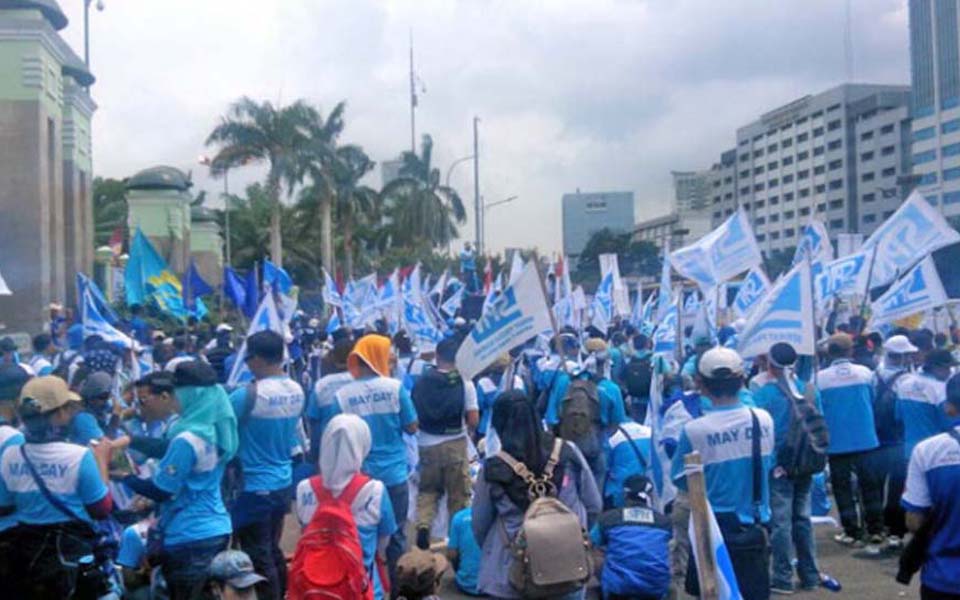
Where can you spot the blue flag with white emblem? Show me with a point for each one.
(917, 291)
(601, 310)
(785, 315)
(84, 284)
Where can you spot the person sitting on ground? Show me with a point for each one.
(419, 573)
(636, 539)
(232, 576)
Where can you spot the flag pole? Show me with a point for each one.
(553, 317)
(813, 319)
(697, 492)
(678, 343)
(866, 292)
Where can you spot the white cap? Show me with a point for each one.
(314, 322)
(222, 327)
(720, 363)
(899, 344)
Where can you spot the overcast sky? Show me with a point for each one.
(594, 94)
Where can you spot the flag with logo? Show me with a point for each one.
(842, 277)
(752, 290)
(148, 279)
(519, 313)
(724, 252)
(452, 304)
(665, 335)
(914, 231)
(266, 318)
(785, 315)
(516, 266)
(416, 320)
(663, 296)
(94, 322)
(609, 263)
(331, 294)
(85, 284)
(814, 244)
(727, 588)
(917, 291)
(602, 308)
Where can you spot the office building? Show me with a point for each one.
(838, 156)
(689, 218)
(587, 213)
(935, 101)
(45, 163)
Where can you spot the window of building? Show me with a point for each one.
(760, 204)
(728, 196)
(866, 156)
(716, 199)
(817, 114)
(803, 155)
(836, 184)
(833, 108)
(836, 223)
(772, 183)
(761, 237)
(746, 206)
(817, 132)
(774, 235)
(596, 205)
(818, 151)
(923, 134)
(866, 135)
(869, 197)
(801, 175)
(788, 233)
(951, 197)
(887, 214)
(758, 170)
(771, 148)
(834, 145)
(758, 187)
(871, 218)
(758, 153)
(804, 192)
(886, 129)
(819, 169)
(788, 197)
(717, 214)
(950, 126)
(728, 212)
(787, 160)
(728, 179)
(888, 150)
(772, 165)
(924, 157)
(786, 143)
(788, 214)
(951, 150)
(804, 211)
(773, 200)
(774, 218)
(801, 120)
(833, 125)
(744, 174)
(744, 157)
(744, 191)
(803, 137)
(835, 204)
(867, 177)
(757, 138)
(759, 221)
(951, 174)
(787, 179)
(927, 179)
(819, 189)
(835, 164)
(888, 172)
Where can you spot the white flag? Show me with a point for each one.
(266, 318)
(753, 289)
(663, 296)
(609, 264)
(843, 277)
(727, 588)
(915, 230)
(814, 244)
(721, 254)
(785, 315)
(4, 289)
(518, 314)
(917, 291)
(516, 266)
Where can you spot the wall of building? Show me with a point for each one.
(586, 213)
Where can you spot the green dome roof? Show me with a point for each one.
(75, 68)
(160, 178)
(50, 9)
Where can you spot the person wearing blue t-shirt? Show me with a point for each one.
(920, 397)
(268, 411)
(930, 499)
(345, 445)
(12, 380)
(191, 516)
(321, 405)
(628, 454)
(56, 489)
(386, 407)
(468, 268)
(44, 351)
(847, 391)
(724, 438)
(463, 551)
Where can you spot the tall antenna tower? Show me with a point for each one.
(413, 101)
(848, 43)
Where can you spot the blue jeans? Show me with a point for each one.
(791, 531)
(186, 566)
(400, 500)
(258, 524)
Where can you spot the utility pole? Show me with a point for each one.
(477, 206)
(413, 101)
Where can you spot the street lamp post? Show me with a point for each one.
(483, 228)
(86, 28)
(453, 165)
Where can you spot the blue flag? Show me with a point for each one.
(84, 284)
(266, 318)
(149, 279)
(252, 288)
(94, 323)
(275, 277)
(233, 288)
(195, 288)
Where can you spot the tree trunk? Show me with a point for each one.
(326, 234)
(348, 247)
(276, 240)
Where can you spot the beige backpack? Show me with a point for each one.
(551, 553)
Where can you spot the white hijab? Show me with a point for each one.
(345, 444)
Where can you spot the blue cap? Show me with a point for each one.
(234, 568)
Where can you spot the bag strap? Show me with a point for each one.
(348, 495)
(554, 459)
(45, 491)
(757, 466)
(518, 467)
(633, 444)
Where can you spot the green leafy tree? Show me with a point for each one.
(259, 132)
(355, 203)
(637, 258)
(418, 206)
(776, 262)
(109, 209)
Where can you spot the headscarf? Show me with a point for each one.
(206, 412)
(374, 350)
(345, 444)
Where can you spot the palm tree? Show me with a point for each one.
(317, 159)
(418, 205)
(254, 132)
(356, 204)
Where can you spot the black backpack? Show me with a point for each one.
(889, 428)
(805, 450)
(439, 398)
(637, 376)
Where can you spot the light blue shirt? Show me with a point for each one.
(69, 472)
(322, 405)
(771, 399)
(133, 545)
(9, 436)
(723, 439)
(386, 407)
(847, 392)
(612, 410)
(461, 539)
(84, 428)
(191, 472)
(920, 399)
(268, 432)
(622, 460)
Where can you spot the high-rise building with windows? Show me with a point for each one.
(585, 213)
(935, 101)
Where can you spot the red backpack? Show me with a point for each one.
(328, 561)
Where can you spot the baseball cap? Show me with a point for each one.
(782, 354)
(940, 358)
(899, 344)
(224, 328)
(97, 384)
(720, 363)
(44, 394)
(234, 568)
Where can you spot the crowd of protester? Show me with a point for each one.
(136, 471)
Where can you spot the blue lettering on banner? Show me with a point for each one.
(498, 315)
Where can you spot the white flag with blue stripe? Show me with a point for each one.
(917, 291)
(665, 336)
(752, 290)
(785, 315)
(266, 318)
(814, 244)
(727, 588)
(601, 310)
(94, 323)
(914, 231)
(331, 295)
(724, 252)
(663, 295)
(842, 277)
